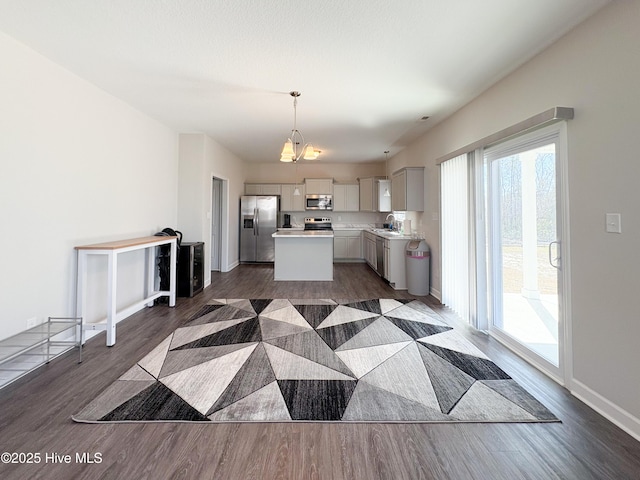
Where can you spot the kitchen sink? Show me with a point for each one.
(384, 231)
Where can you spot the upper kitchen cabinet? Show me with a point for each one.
(383, 202)
(407, 189)
(346, 198)
(319, 186)
(290, 202)
(366, 194)
(262, 189)
(372, 197)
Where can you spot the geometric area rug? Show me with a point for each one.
(283, 360)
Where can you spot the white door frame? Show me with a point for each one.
(564, 372)
(224, 225)
(216, 224)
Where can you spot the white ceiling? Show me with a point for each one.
(368, 70)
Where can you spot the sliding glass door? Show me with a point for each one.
(524, 244)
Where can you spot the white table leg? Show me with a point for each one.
(81, 283)
(112, 283)
(151, 273)
(172, 276)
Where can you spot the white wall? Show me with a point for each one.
(77, 166)
(596, 70)
(201, 159)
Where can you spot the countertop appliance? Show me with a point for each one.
(317, 223)
(318, 202)
(287, 221)
(258, 221)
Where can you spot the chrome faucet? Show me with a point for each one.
(394, 219)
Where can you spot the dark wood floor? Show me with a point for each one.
(35, 417)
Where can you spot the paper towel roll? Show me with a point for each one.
(406, 227)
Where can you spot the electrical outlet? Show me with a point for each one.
(32, 322)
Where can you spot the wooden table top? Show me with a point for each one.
(131, 242)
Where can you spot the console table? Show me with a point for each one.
(111, 250)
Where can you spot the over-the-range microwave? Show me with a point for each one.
(318, 202)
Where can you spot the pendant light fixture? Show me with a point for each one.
(386, 173)
(290, 151)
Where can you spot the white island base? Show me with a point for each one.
(305, 256)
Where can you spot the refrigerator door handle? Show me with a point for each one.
(255, 221)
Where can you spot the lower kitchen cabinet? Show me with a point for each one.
(347, 245)
(394, 263)
(393, 268)
(369, 250)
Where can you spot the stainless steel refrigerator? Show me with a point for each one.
(258, 220)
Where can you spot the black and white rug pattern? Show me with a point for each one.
(278, 360)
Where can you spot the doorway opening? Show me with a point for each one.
(217, 224)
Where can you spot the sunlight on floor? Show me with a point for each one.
(533, 323)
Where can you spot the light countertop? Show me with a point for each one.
(302, 234)
(389, 234)
(380, 232)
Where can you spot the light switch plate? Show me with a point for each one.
(614, 223)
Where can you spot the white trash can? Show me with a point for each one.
(417, 257)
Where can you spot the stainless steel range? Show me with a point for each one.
(317, 223)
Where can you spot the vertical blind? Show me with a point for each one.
(455, 234)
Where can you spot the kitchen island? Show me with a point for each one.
(303, 255)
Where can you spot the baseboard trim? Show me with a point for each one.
(606, 408)
(231, 266)
(436, 293)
